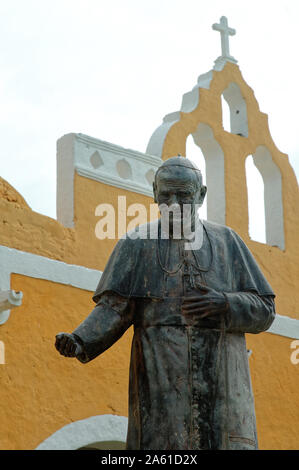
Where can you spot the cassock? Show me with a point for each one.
(189, 385)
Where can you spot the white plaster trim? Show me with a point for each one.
(40, 267)
(204, 80)
(117, 149)
(285, 326)
(190, 102)
(214, 158)
(115, 181)
(221, 61)
(74, 154)
(87, 431)
(271, 175)
(9, 299)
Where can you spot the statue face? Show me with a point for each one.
(177, 186)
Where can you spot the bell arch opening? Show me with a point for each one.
(238, 122)
(211, 156)
(273, 206)
(256, 205)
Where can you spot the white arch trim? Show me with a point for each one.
(214, 157)
(87, 431)
(190, 102)
(272, 196)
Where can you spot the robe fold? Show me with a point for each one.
(189, 384)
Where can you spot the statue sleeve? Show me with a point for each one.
(108, 321)
(249, 312)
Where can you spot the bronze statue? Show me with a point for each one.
(189, 375)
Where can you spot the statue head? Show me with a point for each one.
(178, 183)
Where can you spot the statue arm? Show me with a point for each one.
(108, 321)
(249, 312)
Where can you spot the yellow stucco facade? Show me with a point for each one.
(41, 391)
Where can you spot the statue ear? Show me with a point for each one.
(202, 194)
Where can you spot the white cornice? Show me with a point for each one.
(101, 161)
(114, 181)
(117, 149)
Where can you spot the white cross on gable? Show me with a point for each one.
(225, 31)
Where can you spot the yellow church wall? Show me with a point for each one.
(26, 230)
(275, 382)
(92, 252)
(42, 391)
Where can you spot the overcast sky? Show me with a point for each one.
(113, 68)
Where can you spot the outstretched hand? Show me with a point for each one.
(67, 345)
(205, 303)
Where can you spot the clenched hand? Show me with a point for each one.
(67, 345)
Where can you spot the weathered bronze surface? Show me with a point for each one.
(189, 375)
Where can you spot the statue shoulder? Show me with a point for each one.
(213, 227)
(223, 234)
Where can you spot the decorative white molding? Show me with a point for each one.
(9, 299)
(96, 429)
(100, 161)
(220, 62)
(40, 267)
(190, 102)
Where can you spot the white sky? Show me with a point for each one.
(113, 68)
